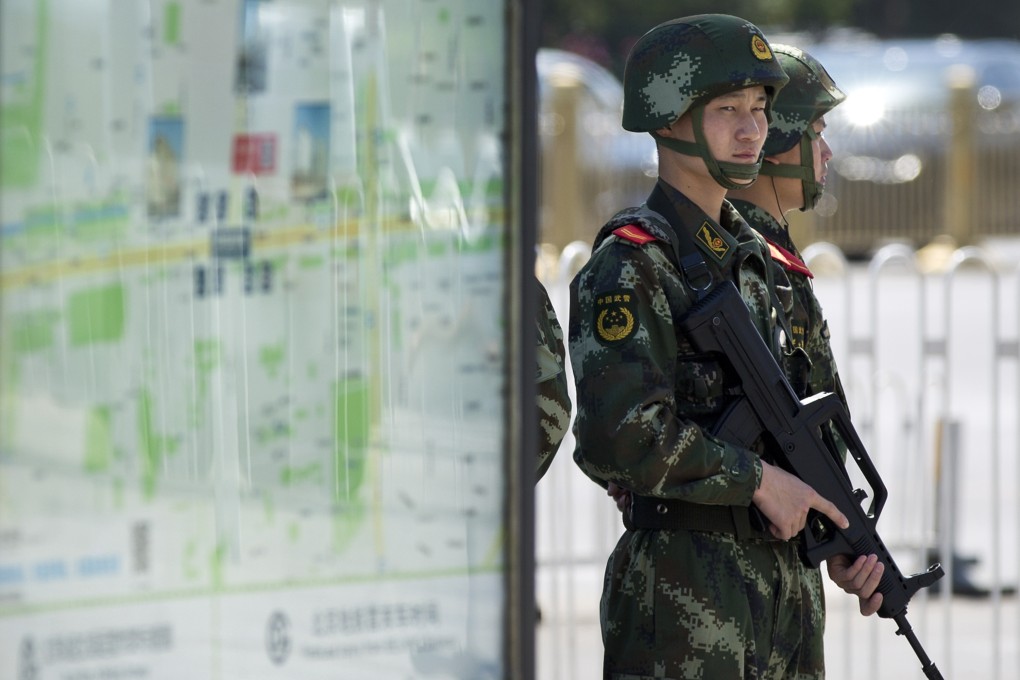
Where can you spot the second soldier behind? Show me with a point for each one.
(792, 177)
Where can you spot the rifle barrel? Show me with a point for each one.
(929, 668)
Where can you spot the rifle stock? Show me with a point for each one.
(798, 438)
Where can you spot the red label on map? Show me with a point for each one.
(255, 153)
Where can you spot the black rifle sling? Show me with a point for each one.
(686, 255)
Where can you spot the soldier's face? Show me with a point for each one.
(734, 125)
(821, 151)
(821, 154)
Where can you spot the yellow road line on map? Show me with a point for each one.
(266, 239)
(48, 272)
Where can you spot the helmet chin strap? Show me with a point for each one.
(779, 203)
(805, 172)
(723, 172)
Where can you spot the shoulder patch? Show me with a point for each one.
(789, 261)
(615, 317)
(634, 234)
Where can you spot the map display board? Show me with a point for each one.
(252, 319)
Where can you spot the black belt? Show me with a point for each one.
(742, 522)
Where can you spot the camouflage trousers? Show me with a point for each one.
(688, 605)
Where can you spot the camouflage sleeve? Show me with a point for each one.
(624, 349)
(551, 378)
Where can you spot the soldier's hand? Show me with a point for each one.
(620, 495)
(858, 577)
(786, 500)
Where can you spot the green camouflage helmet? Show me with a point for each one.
(691, 60)
(808, 96)
(680, 65)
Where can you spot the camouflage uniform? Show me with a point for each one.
(807, 361)
(682, 603)
(552, 387)
(808, 96)
(808, 357)
(814, 369)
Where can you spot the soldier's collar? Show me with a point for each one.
(713, 239)
(765, 224)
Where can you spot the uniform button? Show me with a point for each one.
(661, 509)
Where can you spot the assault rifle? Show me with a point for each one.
(799, 439)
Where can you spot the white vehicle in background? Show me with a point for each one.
(893, 139)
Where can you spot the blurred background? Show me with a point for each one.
(914, 247)
(926, 145)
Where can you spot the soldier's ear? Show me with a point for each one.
(664, 132)
(683, 122)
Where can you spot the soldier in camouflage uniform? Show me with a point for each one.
(552, 386)
(693, 589)
(794, 166)
(796, 155)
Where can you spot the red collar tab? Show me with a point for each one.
(789, 261)
(634, 234)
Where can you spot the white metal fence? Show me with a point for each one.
(927, 345)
